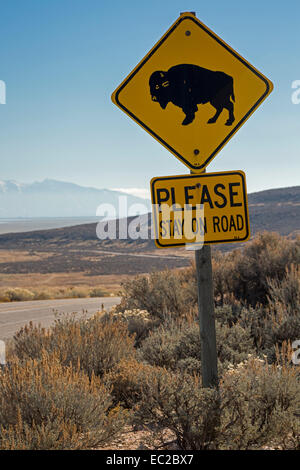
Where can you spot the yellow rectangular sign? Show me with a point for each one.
(203, 209)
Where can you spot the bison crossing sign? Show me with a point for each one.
(207, 208)
(192, 92)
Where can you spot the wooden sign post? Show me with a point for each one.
(206, 316)
(206, 310)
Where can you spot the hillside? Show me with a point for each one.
(78, 250)
(275, 210)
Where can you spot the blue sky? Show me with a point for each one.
(61, 60)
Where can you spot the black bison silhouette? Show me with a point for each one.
(187, 85)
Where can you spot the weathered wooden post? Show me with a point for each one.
(206, 317)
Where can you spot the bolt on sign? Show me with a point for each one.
(192, 92)
(207, 208)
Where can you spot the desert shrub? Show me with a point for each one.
(191, 365)
(176, 344)
(279, 329)
(97, 292)
(188, 282)
(126, 380)
(98, 345)
(267, 257)
(165, 346)
(257, 405)
(230, 313)
(4, 297)
(241, 278)
(17, 294)
(54, 434)
(77, 292)
(286, 292)
(139, 322)
(223, 269)
(242, 275)
(20, 294)
(160, 293)
(245, 273)
(233, 343)
(260, 406)
(279, 320)
(45, 405)
(177, 402)
(43, 295)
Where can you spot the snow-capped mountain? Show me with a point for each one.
(52, 198)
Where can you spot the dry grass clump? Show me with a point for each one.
(45, 405)
(257, 405)
(178, 403)
(176, 345)
(286, 292)
(138, 322)
(15, 295)
(161, 294)
(242, 275)
(260, 406)
(98, 345)
(245, 274)
(19, 294)
(126, 381)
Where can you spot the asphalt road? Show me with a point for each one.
(14, 315)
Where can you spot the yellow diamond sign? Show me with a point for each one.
(192, 92)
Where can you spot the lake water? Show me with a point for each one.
(43, 223)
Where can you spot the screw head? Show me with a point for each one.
(188, 33)
(196, 151)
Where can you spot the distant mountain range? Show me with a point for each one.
(52, 198)
(273, 209)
